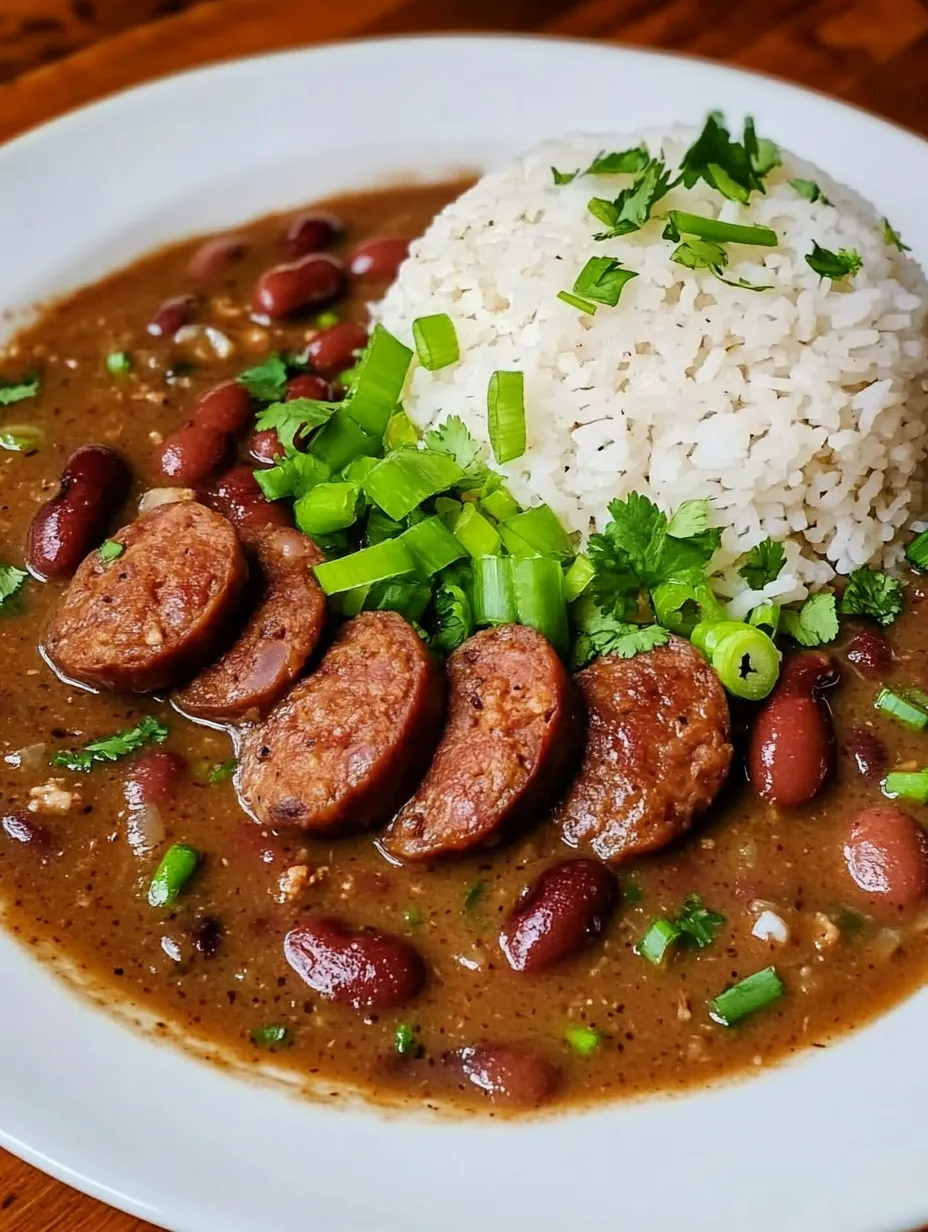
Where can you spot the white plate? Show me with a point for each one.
(832, 1142)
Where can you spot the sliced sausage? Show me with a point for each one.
(792, 744)
(94, 483)
(508, 745)
(886, 852)
(506, 1074)
(363, 968)
(349, 743)
(562, 909)
(277, 641)
(157, 612)
(657, 751)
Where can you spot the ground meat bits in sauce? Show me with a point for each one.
(442, 1014)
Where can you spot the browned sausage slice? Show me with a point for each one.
(349, 742)
(277, 641)
(657, 751)
(157, 612)
(512, 730)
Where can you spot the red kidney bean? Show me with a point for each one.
(870, 653)
(213, 258)
(307, 283)
(191, 454)
(791, 747)
(153, 777)
(378, 259)
(236, 496)
(225, 407)
(886, 852)
(334, 349)
(306, 385)
(20, 827)
(869, 753)
(265, 446)
(94, 483)
(362, 968)
(564, 907)
(311, 233)
(506, 1074)
(207, 935)
(171, 315)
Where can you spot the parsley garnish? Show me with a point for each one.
(872, 594)
(454, 439)
(810, 190)
(697, 923)
(110, 550)
(267, 381)
(735, 168)
(763, 563)
(631, 209)
(223, 771)
(835, 265)
(289, 418)
(111, 748)
(16, 391)
(11, 582)
(816, 622)
(891, 236)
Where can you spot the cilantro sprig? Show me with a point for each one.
(815, 623)
(763, 564)
(631, 209)
(735, 169)
(874, 595)
(834, 265)
(619, 162)
(267, 381)
(111, 748)
(12, 581)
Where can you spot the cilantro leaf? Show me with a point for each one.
(16, 391)
(697, 922)
(110, 550)
(111, 748)
(810, 190)
(601, 280)
(564, 177)
(621, 162)
(267, 381)
(453, 618)
(599, 632)
(631, 209)
(734, 168)
(872, 594)
(223, 771)
(692, 518)
(297, 415)
(891, 236)
(11, 582)
(763, 153)
(705, 254)
(454, 438)
(835, 265)
(763, 564)
(816, 622)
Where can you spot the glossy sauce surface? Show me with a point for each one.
(215, 963)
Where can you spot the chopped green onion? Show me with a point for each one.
(659, 936)
(359, 469)
(766, 616)
(21, 438)
(412, 916)
(538, 588)
(448, 510)
(118, 363)
(179, 864)
(224, 771)
(583, 1040)
(537, 531)
(16, 391)
(578, 577)
(917, 551)
(400, 431)
(500, 505)
(110, 550)
(574, 301)
(380, 527)
(478, 536)
(404, 595)
(327, 507)
(379, 383)
(436, 341)
(432, 545)
(748, 663)
(404, 1040)
(506, 415)
(753, 993)
(722, 232)
(676, 607)
(378, 563)
(474, 895)
(291, 476)
(325, 320)
(270, 1036)
(350, 602)
(407, 477)
(342, 440)
(901, 709)
(907, 785)
(494, 598)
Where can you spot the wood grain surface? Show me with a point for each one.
(58, 54)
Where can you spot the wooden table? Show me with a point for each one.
(57, 54)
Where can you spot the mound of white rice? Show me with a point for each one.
(797, 411)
